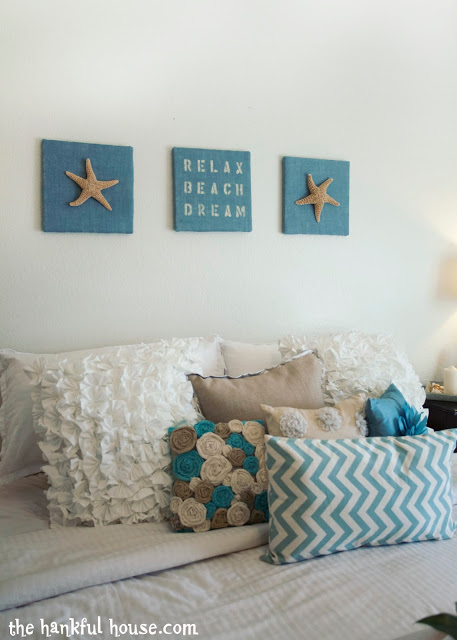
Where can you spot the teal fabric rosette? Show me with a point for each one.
(210, 509)
(249, 449)
(251, 464)
(412, 423)
(187, 465)
(204, 426)
(261, 502)
(236, 440)
(222, 497)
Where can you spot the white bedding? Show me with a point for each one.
(371, 593)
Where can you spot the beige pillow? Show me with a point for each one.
(345, 420)
(296, 383)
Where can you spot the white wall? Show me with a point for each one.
(369, 82)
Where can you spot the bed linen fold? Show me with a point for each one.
(42, 564)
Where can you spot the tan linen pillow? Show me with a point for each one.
(345, 420)
(296, 383)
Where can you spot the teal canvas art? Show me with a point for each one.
(315, 196)
(87, 188)
(212, 190)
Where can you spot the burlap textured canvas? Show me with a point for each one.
(87, 188)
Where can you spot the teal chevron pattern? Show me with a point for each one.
(334, 495)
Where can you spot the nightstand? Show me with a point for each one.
(442, 414)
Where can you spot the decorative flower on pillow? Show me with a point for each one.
(412, 423)
(251, 464)
(220, 475)
(223, 496)
(329, 419)
(204, 426)
(293, 424)
(236, 440)
(187, 465)
(361, 423)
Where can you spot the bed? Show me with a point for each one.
(146, 580)
(147, 574)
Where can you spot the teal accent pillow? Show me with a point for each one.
(391, 415)
(334, 495)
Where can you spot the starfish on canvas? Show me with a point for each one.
(318, 196)
(91, 187)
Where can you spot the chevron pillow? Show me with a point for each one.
(335, 495)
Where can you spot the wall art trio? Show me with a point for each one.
(88, 188)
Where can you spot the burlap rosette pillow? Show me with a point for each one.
(220, 476)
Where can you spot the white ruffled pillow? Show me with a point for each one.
(20, 454)
(101, 424)
(357, 362)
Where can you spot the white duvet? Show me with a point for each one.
(149, 575)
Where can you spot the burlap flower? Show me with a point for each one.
(262, 477)
(261, 502)
(215, 469)
(205, 526)
(237, 457)
(254, 432)
(249, 449)
(236, 440)
(260, 450)
(192, 513)
(183, 439)
(204, 426)
(257, 516)
(226, 449)
(238, 514)
(227, 481)
(175, 503)
(182, 489)
(210, 509)
(256, 489)
(187, 465)
(251, 464)
(222, 496)
(223, 430)
(247, 497)
(204, 491)
(219, 520)
(176, 523)
(193, 484)
(260, 454)
(241, 479)
(209, 445)
(235, 426)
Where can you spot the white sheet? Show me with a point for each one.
(374, 593)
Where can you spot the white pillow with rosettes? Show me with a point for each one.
(101, 424)
(356, 362)
(344, 420)
(20, 455)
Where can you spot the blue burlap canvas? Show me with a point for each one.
(212, 190)
(109, 163)
(300, 218)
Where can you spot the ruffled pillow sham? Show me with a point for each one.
(345, 420)
(102, 424)
(20, 454)
(356, 362)
(220, 477)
